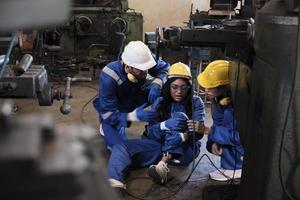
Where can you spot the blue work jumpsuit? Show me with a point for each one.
(118, 96)
(144, 152)
(224, 133)
(171, 140)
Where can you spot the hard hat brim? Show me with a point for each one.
(145, 66)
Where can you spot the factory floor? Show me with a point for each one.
(138, 184)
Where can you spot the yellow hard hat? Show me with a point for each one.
(180, 70)
(215, 74)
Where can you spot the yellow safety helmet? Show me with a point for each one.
(180, 70)
(215, 74)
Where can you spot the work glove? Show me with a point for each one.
(154, 93)
(142, 113)
(177, 122)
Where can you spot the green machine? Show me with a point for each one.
(94, 35)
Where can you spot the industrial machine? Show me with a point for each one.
(94, 35)
(41, 161)
(25, 80)
(267, 104)
(222, 31)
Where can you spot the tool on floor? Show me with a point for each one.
(66, 107)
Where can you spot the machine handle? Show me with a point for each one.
(66, 107)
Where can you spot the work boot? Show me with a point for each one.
(159, 173)
(118, 186)
(225, 174)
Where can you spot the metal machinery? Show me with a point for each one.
(267, 104)
(223, 31)
(94, 35)
(41, 161)
(25, 80)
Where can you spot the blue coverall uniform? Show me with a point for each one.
(144, 152)
(130, 154)
(171, 140)
(118, 96)
(224, 133)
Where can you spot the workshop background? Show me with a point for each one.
(52, 51)
(166, 13)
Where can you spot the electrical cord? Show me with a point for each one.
(84, 107)
(174, 192)
(192, 94)
(8, 52)
(87, 103)
(297, 62)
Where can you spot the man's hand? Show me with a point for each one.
(146, 115)
(143, 113)
(216, 149)
(198, 127)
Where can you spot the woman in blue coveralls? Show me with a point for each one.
(170, 135)
(177, 109)
(223, 139)
(123, 91)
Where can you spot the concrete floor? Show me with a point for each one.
(138, 183)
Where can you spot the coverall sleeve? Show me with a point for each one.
(160, 70)
(154, 132)
(225, 134)
(199, 111)
(108, 102)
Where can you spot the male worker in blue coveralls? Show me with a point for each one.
(123, 91)
(223, 138)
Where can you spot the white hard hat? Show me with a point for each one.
(136, 54)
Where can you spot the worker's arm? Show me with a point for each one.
(225, 134)
(108, 109)
(159, 72)
(176, 123)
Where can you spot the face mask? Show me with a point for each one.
(131, 78)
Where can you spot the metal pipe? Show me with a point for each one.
(2, 58)
(66, 107)
(12, 42)
(23, 65)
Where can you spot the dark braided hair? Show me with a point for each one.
(165, 106)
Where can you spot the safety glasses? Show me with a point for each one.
(177, 88)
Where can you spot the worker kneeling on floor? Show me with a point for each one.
(223, 138)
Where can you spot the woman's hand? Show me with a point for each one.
(198, 127)
(216, 149)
